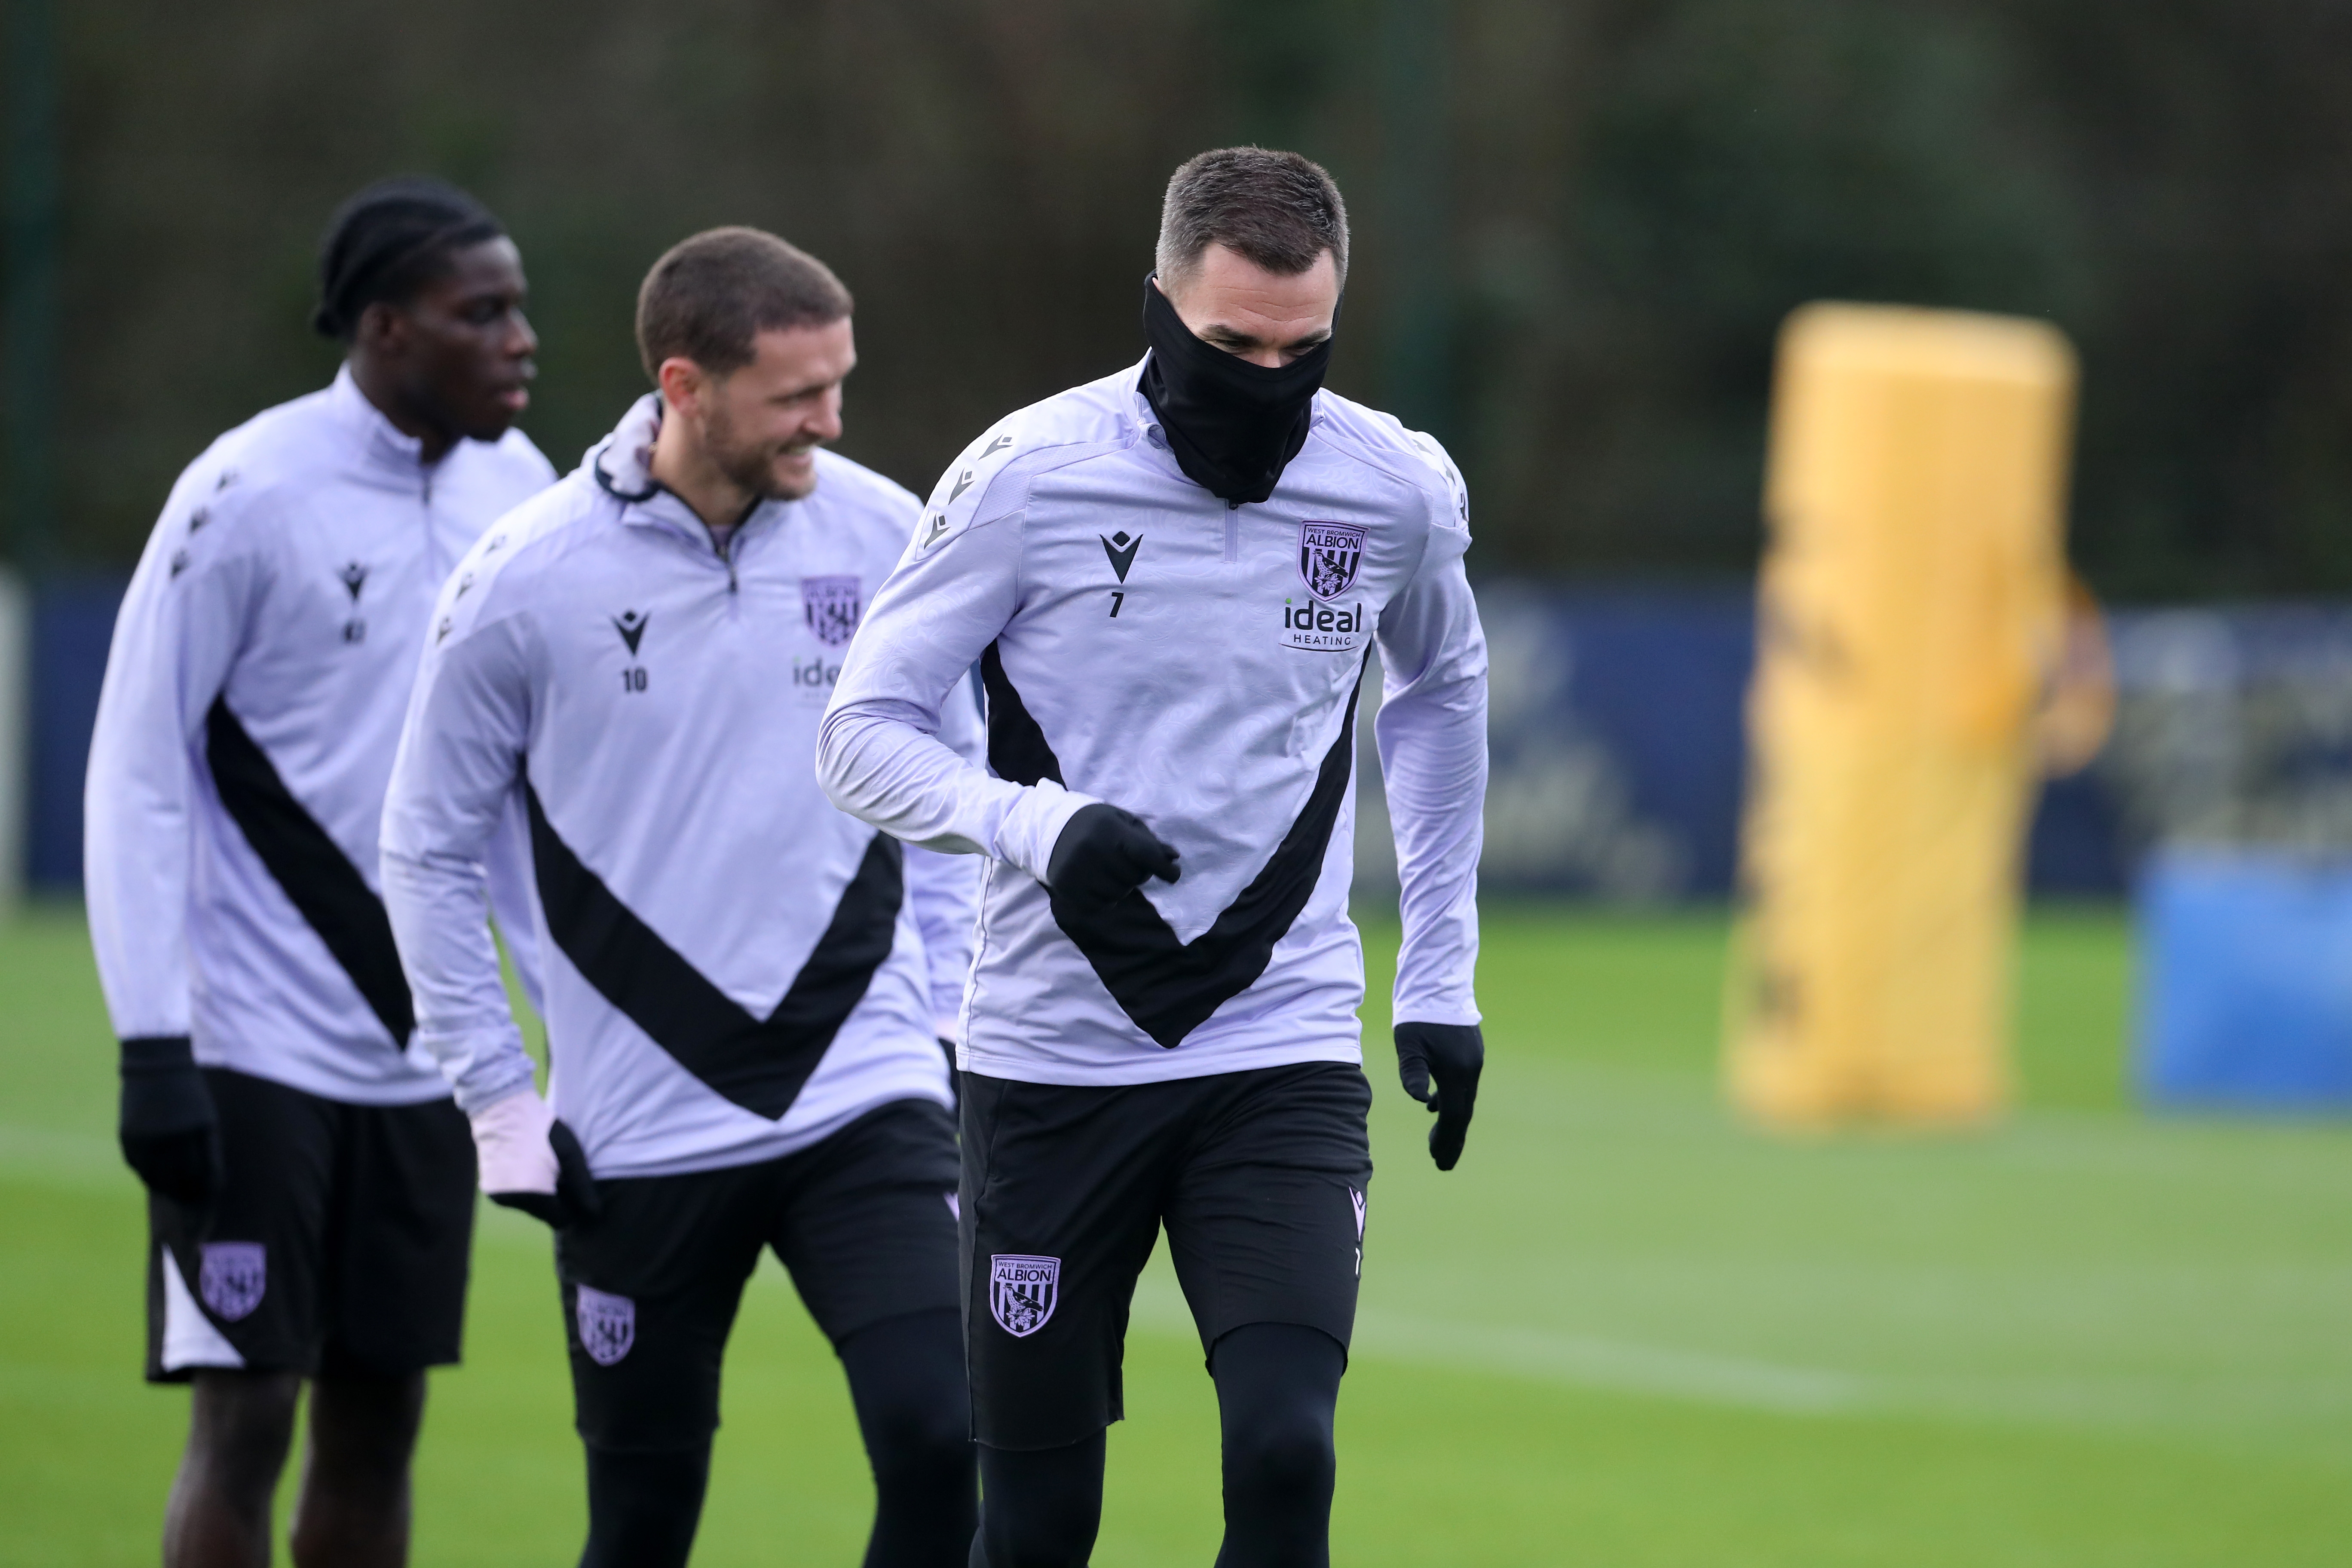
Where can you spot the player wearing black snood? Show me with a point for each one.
(1171, 580)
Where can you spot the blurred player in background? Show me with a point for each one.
(743, 983)
(311, 1185)
(1172, 579)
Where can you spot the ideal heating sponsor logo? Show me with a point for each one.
(812, 679)
(1323, 629)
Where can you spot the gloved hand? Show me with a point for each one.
(1103, 852)
(531, 1162)
(170, 1134)
(1453, 1055)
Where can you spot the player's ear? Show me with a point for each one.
(383, 329)
(682, 382)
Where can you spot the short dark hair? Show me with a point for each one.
(710, 297)
(1278, 209)
(390, 240)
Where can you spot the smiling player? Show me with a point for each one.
(744, 985)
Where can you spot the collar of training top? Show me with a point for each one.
(381, 440)
(623, 465)
(622, 461)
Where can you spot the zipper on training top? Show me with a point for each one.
(726, 551)
(432, 570)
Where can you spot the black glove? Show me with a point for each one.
(1103, 852)
(170, 1135)
(1453, 1055)
(575, 1200)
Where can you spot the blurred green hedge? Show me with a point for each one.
(1625, 197)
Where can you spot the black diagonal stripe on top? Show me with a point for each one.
(1170, 987)
(758, 1063)
(1016, 746)
(325, 887)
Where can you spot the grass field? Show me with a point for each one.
(1626, 1332)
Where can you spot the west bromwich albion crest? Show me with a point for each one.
(1328, 556)
(830, 606)
(608, 1325)
(233, 1278)
(1021, 1291)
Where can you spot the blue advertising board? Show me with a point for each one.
(1617, 736)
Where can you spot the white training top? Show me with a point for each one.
(1145, 644)
(733, 968)
(261, 662)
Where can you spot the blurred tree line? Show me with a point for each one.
(1579, 224)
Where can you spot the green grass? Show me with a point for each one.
(1628, 1332)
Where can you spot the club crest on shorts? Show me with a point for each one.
(1021, 1291)
(608, 1325)
(233, 1278)
(830, 606)
(1328, 556)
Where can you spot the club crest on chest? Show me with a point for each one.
(608, 1324)
(830, 605)
(1021, 1291)
(233, 1278)
(1329, 555)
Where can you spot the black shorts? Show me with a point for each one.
(1258, 1176)
(864, 1222)
(338, 1244)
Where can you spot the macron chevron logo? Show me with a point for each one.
(632, 627)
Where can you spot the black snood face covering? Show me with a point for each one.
(1233, 425)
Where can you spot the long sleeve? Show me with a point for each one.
(1431, 731)
(944, 890)
(176, 638)
(882, 756)
(455, 785)
(514, 900)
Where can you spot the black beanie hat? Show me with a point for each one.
(383, 242)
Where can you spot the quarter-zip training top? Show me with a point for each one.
(734, 969)
(1200, 664)
(261, 662)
